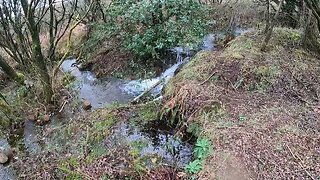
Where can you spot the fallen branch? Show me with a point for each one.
(207, 78)
(136, 99)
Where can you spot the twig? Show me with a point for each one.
(55, 71)
(64, 103)
(207, 78)
(299, 162)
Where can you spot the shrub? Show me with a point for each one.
(149, 28)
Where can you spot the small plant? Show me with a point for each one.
(200, 152)
(194, 166)
(242, 118)
(202, 148)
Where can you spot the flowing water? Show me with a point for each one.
(158, 140)
(136, 87)
(100, 92)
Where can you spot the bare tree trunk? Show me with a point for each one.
(269, 33)
(315, 8)
(51, 53)
(37, 53)
(311, 35)
(267, 17)
(303, 15)
(8, 69)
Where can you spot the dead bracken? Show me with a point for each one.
(258, 109)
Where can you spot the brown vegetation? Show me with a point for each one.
(260, 110)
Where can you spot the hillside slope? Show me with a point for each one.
(261, 111)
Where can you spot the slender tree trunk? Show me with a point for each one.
(267, 17)
(269, 33)
(303, 15)
(51, 53)
(8, 69)
(311, 35)
(37, 53)
(314, 6)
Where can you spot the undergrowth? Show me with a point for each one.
(250, 103)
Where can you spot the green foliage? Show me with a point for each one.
(202, 148)
(22, 92)
(100, 128)
(194, 166)
(139, 145)
(200, 152)
(148, 28)
(242, 118)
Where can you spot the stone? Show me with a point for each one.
(8, 153)
(46, 118)
(31, 117)
(86, 105)
(3, 158)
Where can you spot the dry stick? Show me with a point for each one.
(136, 99)
(69, 41)
(300, 163)
(207, 78)
(64, 103)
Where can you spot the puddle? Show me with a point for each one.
(153, 141)
(31, 142)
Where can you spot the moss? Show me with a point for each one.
(66, 170)
(109, 120)
(20, 78)
(197, 69)
(100, 128)
(146, 113)
(139, 145)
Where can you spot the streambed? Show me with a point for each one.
(153, 140)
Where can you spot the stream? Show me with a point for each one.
(159, 139)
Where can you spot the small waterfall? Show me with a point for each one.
(136, 87)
